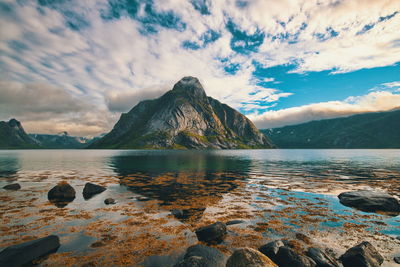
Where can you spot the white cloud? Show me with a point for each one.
(372, 102)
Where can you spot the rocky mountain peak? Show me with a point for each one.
(14, 123)
(191, 86)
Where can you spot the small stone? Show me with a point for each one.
(288, 257)
(61, 194)
(15, 186)
(362, 255)
(23, 254)
(249, 257)
(109, 201)
(321, 258)
(234, 222)
(143, 198)
(271, 249)
(397, 259)
(213, 233)
(92, 189)
(177, 213)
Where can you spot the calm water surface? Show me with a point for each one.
(276, 192)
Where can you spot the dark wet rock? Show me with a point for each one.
(213, 233)
(288, 257)
(177, 213)
(92, 189)
(25, 253)
(234, 222)
(15, 186)
(249, 257)
(109, 201)
(200, 255)
(321, 258)
(61, 194)
(362, 255)
(370, 201)
(397, 259)
(271, 249)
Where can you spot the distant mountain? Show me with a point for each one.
(62, 141)
(184, 117)
(13, 136)
(368, 130)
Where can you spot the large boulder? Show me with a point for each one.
(321, 258)
(24, 253)
(245, 257)
(61, 194)
(202, 256)
(370, 201)
(213, 233)
(362, 255)
(15, 186)
(271, 249)
(92, 189)
(288, 257)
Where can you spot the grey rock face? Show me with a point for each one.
(288, 257)
(92, 189)
(15, 186)
(321, 258)
(362, 255)
(25, 253)
(184, 117)
(213, 233)
(249, 257)
(370, 201)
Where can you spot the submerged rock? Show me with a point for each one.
(61, 194)
(362, 255)
(370, 201)
(177, 213)
(234, 222)
(25, 253)
(109, 201)
(249, 257)
(15, 186)
(213, 233)
(202, 256)
(321, 258)
(271, 249)
(92, 189)
(397, 259)
(288, 257)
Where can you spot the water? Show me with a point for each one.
(278, 193)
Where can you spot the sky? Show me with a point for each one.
(75, 65)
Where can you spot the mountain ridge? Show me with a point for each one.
(13, 136)
(183, 118)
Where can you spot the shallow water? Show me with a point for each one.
(278, 193)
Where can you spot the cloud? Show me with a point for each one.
(372, 102)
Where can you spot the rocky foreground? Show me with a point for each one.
(300, 251)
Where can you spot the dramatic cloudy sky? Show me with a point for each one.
(75, 65)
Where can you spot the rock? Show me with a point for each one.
(370, 201)
(109, 201)
(397, 259)
(362, 255)
(200, 255)
(177, 213)
(15, 186)
(234, 222)
(25, 253)
(271, 249)
(159, 261)
(321, 258)
(288, 257)
(213, 233)
(92, 189)
(142, 198)
(249, 257)
(61, 194)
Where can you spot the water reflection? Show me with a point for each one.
(9, 166)
(185, 181)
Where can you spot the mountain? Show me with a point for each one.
(368, 130)
(61, 141)
(183, 118)
(13, 135)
